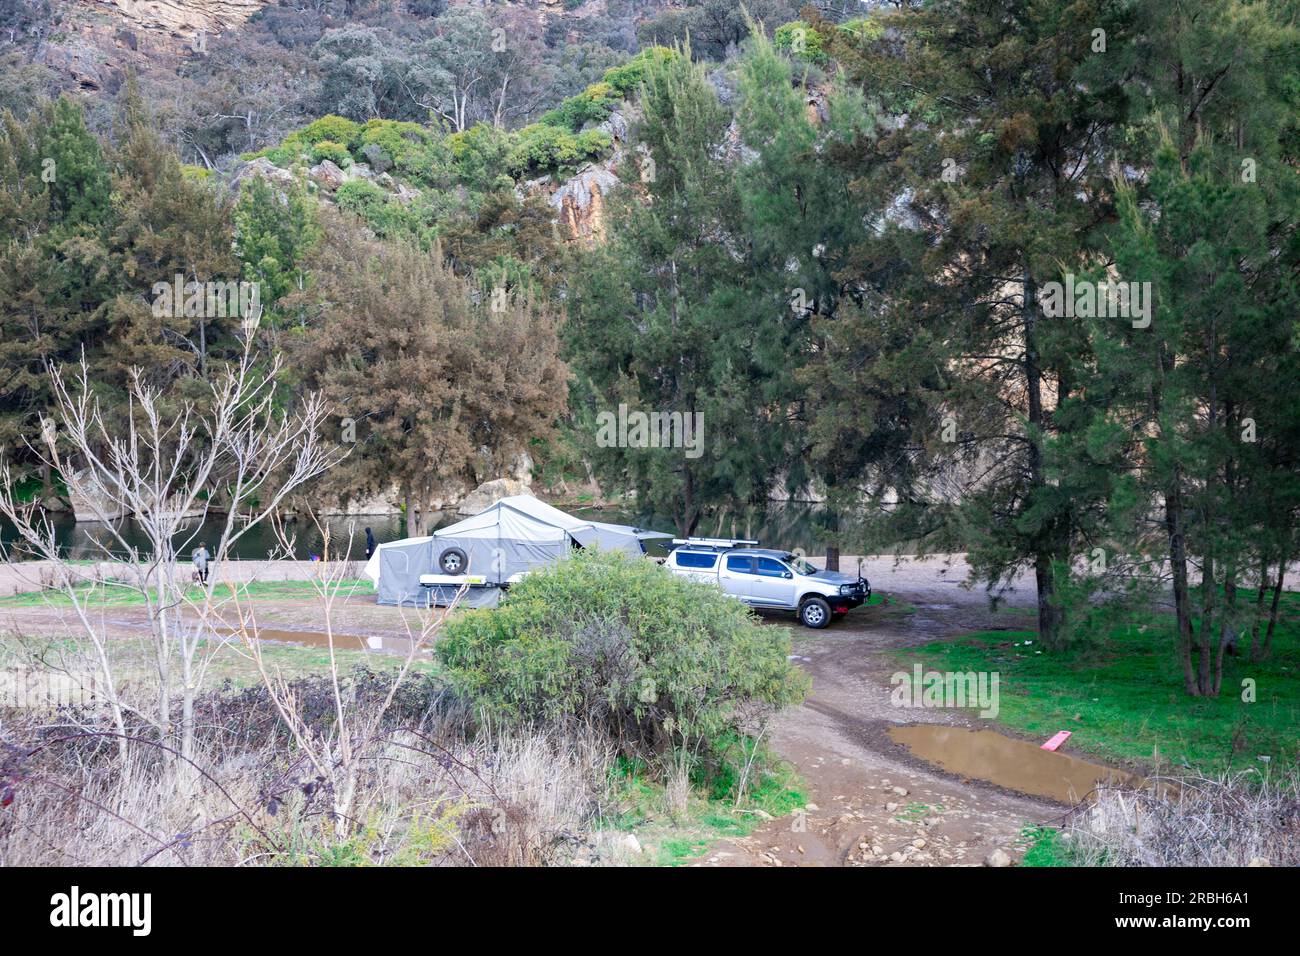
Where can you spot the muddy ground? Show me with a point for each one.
(870, 802)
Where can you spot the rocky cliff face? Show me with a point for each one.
(185, 19)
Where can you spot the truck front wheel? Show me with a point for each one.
(814, 613)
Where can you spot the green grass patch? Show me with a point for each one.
(678, 838)
(1046, 848)
(1123, 698)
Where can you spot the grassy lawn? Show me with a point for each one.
(1124, 701)
(118, 595)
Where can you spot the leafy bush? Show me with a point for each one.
(383, 212)
(592, 105)
(336, 153)
(478, 155)
(416, 152)
(540, 147)
(863, 28)
(802, 42)
(619, 644)
(336, 129)
(626, 79)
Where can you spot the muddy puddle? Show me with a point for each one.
(344, 642)
(1014, 764)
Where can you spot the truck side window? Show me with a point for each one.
(696, 559)
(771, 568)
(740, 563)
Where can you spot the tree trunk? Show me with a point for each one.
(1182, 596)
(1050, 617)
(409, 500)
(1266, 649)
(1258, 618)
(1209, 610)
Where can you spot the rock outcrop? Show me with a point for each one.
(185, 18)
(579, 203)
(489, 493)
(90, 501)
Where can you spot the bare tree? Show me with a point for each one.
(337, 754)
(165, 469)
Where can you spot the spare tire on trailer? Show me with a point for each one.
(453, 561)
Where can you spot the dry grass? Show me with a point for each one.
(1238, 820)
(429, 792)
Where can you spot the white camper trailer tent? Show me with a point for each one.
(490, 551)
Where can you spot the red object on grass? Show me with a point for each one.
(1059, 738)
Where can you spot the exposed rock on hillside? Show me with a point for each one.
(580, 202)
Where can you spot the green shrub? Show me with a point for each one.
(618, 643)
(478, 155)
(592, 105)
(540, 148)
(336, 129)
(336, 153)
(864, 28)
(802, 42)
(417, 153)
(626, 79)
(383, 212)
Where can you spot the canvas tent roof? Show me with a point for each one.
(511, 537)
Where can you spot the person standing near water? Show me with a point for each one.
(201, 559)
(370, 544)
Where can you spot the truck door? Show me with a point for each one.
(737, 576)
(774, 584)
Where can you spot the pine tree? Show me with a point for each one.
(54, 196)
(666, 319)
(1001, 118)
(1206, 385)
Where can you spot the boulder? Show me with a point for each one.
(997, 858)
(89, 500)
(615, 126)
(523, 469)
(380, 503)
(262, 168)
(489, 493)
(377, 157)
(327, 175)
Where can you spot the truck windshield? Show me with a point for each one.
(799, 564)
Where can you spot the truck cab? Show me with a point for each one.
(768, 578)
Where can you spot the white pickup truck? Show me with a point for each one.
(762, 577)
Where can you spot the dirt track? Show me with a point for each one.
(865, 791)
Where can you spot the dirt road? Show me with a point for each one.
(870, 802)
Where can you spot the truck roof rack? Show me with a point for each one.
(717, 542)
